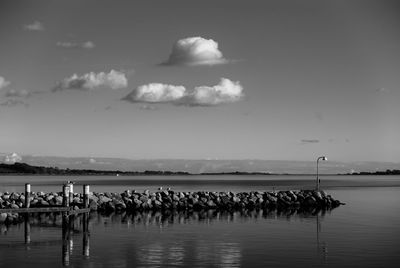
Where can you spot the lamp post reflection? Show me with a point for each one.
(322, 247)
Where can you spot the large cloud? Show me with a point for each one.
(35, 26)
(86, 45)
(195, 51)
(156, 92)
(113, 79)
(226, 91)
(3, 82)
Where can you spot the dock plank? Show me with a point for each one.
(44, 209)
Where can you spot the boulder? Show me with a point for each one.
(93, 205)
(58, 200)
(3, 217)
(104, 199)
(14, 206)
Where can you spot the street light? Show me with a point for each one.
(323, 158)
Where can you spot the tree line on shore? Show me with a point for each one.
(23, 168)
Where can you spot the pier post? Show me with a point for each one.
(71, 191)
(65, 195)
(27, 195)
(86, 195)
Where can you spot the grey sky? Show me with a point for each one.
(310, 71)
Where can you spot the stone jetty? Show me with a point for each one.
(168, 200)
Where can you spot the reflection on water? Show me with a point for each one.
(76, 234)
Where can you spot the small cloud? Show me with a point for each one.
(309, 141)
(226, 91)
(3, 82)
(35, 26)
(12, 158)
(85, 45)
(156, 93)
(195, 51)
(108, 108)
(13, 103)
(18, 93)
(113, 79)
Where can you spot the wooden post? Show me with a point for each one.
(86, 196)
(71, 191)
(65, 195)
(27, 195)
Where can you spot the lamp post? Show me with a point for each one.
(323, 158)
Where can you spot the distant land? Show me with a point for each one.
(24, 169)
(197, 166)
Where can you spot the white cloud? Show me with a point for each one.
(226, 91)
(3, 82)
(195, 51)
(156, 92)
(113, 79)
(86, 45)
(12, 158)
(18, 93)
(35, 26)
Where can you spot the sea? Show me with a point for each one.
(365, 232)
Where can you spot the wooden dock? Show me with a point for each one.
(67, 197)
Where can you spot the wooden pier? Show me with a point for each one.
(67, 191)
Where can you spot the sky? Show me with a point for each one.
(272, 80)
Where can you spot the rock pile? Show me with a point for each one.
(171, 200)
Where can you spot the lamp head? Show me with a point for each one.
(324, 158)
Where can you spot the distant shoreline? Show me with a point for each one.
(23, 169)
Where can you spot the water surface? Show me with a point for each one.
(363, 233)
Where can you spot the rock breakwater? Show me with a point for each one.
(132, 201)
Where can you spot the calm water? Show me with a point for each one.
(363, 233)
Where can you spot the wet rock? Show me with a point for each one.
(104, 199)
(14, 206)
(93, 205)
(58, 200)
(44, 203)
(3, 217)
